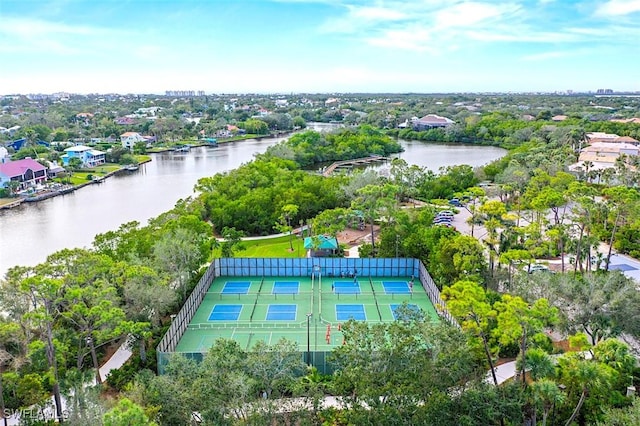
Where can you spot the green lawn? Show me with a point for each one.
(272, 247)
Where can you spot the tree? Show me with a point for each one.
(546, 394)
(516, 320)
(289, 212)
(126, 413)
(372, 200)
(622, 416)
(232, 242)
(621, 201)
(275, 367)
(582, 376)
(467, 301)
(460, 257)
(601, 305)
(331, 221)
(91, 311)
(75, 163)
(43, 291)
(180, 252)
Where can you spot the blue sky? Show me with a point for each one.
(284, 46)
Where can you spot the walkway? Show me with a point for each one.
(352, 163)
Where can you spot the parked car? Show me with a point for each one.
(447, 224)
(536, 267)
(442, 219)
(455, 202)
(445, 213)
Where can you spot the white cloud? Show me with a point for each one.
(545, 56)
(417, 39)
(377, 14)
(471, 13)
(618, 7)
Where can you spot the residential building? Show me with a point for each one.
(431, 121)
(129, 139)
(603, 155)
(90, 157)
(597, 137)
(27, 172)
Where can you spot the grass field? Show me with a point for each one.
(272, 247)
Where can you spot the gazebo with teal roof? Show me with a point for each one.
(321, 245)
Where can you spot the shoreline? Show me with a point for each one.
(66, 190)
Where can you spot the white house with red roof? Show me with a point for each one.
(27, 173)
(129, 139)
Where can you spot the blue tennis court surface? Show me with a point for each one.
(236, 287)
(285, 287)
(621, 267)
(410, 307)
(225, 313)
(282, 312)
(346, 287)
(396, 287)
(347, 312)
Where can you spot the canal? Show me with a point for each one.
(29, 233)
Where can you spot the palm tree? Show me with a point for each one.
(588, 165)
(587, 375)
(546, 393)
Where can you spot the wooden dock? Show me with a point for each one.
(354, 162)
(11, 204)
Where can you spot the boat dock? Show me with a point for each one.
(348, 164)
(11, 204)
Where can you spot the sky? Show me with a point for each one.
(318, 46)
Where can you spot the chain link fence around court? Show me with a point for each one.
(317, 268)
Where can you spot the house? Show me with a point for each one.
(321, 246)
(597, 137)
(431, 121)
(129, 139)
(27, 172)
(125, 121)
(603, 155)
(635, 120)
(559, 118)
(90, 157)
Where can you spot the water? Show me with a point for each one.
(29, 233)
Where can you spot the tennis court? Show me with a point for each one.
(267, 309)
(346, 287)
(347, 312)
(241, 287)
(282, 312)
(286, 287)
(225, 313)
(396, 287)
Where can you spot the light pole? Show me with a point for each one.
(308, 339)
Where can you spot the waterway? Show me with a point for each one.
(32, 231)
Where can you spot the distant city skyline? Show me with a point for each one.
(318, 46)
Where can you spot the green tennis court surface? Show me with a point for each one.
(253, 309)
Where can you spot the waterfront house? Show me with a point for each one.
(431, 121)
(129, 139)
(27, 172)
(90, 157)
